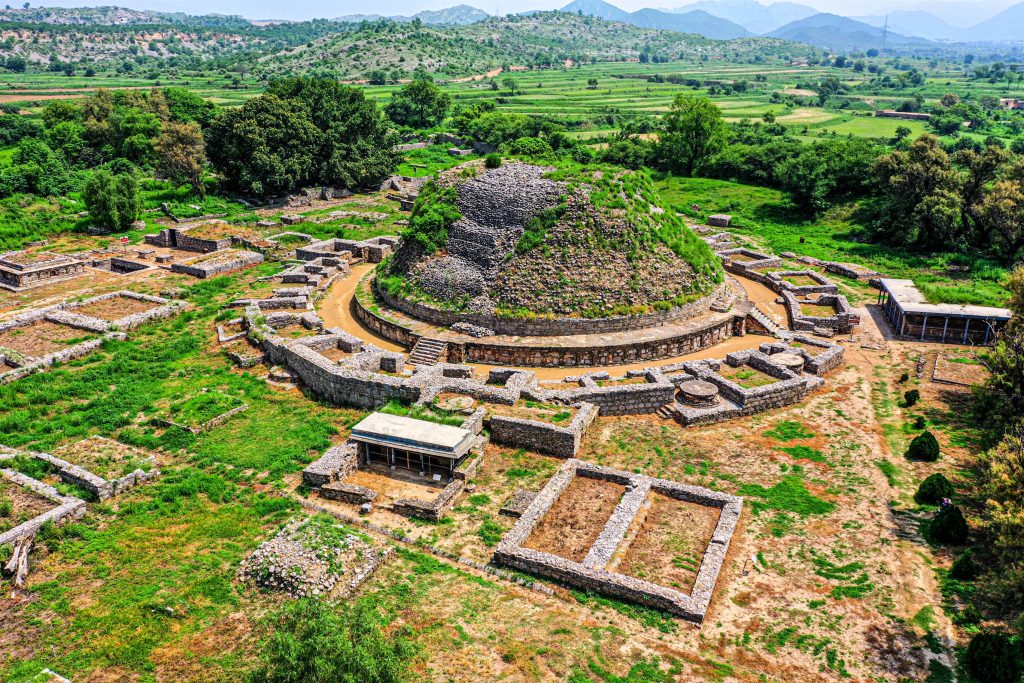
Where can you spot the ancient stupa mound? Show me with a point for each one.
(523, 240)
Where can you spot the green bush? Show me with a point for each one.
(6, 507)
(530, 147)
(924, 447)
(993, 658)
(949, 527)
(933, 489)
(113, 201)
(965, 568)
(919, 422)
(911, 397)
(492, 160)
(904, 378)
(316, 642)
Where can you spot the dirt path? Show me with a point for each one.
(336, 310)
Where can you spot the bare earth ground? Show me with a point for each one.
(24, 503)
(115, 308)
(576, 519)
(41, 337)
(669, 540)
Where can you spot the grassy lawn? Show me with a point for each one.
(768, 219)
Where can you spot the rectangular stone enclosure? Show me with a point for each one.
(597, 568)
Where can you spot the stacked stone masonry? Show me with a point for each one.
(591, 574)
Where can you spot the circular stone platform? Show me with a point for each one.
(698, 393)
(790, 361)
(457, 404)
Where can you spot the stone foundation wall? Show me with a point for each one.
(65, 507)
(432, 510)
(335, 464)
(828, 357)
(591, 573)
(352, 494)
(547, 327)
(243, 259)
(543, 437)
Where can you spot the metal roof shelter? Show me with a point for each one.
(416, 445)
(912, 316)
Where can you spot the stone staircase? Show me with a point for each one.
(667, 412)
(765, 320)
(427, 352)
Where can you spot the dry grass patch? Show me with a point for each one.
(669, 538)
(114, 308)
(42, 337)
(576, 519)
(19, 504)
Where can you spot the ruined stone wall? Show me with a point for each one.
(432, 510)
(547, 327)
(543, 437)
(343, 386)
(243, 259)
(335, 464)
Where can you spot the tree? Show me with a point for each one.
(949, 527)
(692, 132)
(1001, 215)
(303, 131)
(113, 200)
(182, 154)
(902, 133)
(314, 642)
(920, 196)
(420, 104)
(1000, 401)
(592, 84)
(511, 84)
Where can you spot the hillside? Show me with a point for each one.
(698, 21)
(834, 32)
(541, 39)
(752, 15)
(1005, 26)
(916, 23)
(114, 16)
(459, 15)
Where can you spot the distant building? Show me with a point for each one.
(1011, 103)
(908, 115)
(912, 316)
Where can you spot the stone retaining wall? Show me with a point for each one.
(352, 494)
(242, 259)
(335, 464)
(547, 327)
(543, 437)
(432, 510)
(827, 359)
(842, 322)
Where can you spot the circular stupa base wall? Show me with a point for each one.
(545, 326)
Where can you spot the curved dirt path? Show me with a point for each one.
(336, 310)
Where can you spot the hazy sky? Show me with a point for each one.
(964, 12)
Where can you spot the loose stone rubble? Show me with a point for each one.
(312, 557)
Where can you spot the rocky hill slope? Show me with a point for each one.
(524, 240)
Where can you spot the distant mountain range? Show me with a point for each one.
(727, 19)
(752, 15)
(460, 15)
(697, 21)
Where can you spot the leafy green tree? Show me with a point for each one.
(933, 489)
(356, 144)
(182, 154)
(184, 106)
(420, 104)
(692, 132)
(267, 146)
(113, 200)
(315, 642)
(949, 527)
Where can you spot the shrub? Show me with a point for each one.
(924, 447)
(911, 397)
(492, 160)
(965, 568)
(993, 658)
(919, 422)
(933, 489)
(949, 527)
(904, 378)
(314, 641)
(530, 147)
(6, 507)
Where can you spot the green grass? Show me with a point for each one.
(648, 616)
(788, 495)
(803, 453)
(788, 430)
(767, 217)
